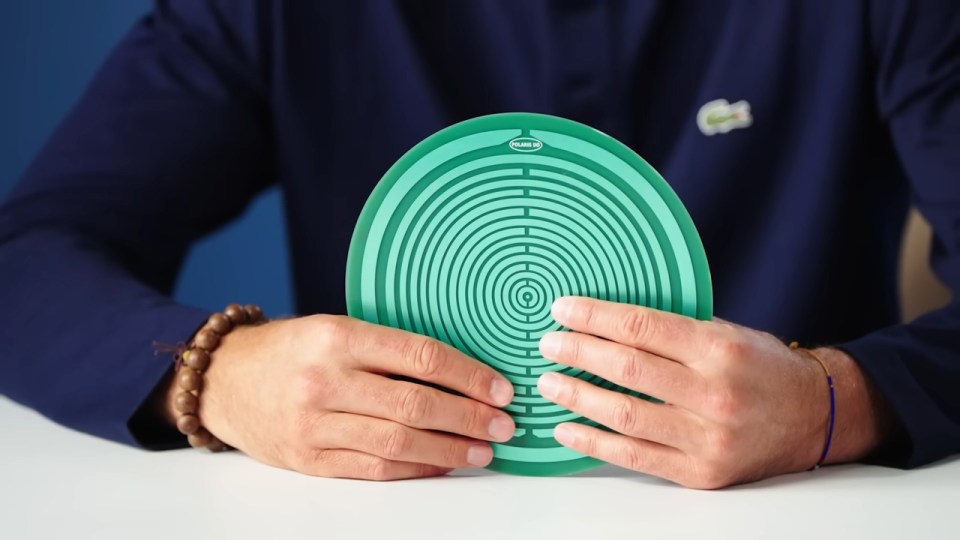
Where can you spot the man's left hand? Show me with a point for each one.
(739, 405)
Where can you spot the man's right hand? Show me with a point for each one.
(320, 395)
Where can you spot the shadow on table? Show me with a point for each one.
(607, 471)
(825, 474)
(840, 473)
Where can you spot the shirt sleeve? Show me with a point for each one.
(168, 142)
(916, 366)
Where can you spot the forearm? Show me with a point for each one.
(78, 332)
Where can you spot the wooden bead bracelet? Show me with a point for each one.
(194, 361)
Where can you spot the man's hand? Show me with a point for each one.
(739, 404)
(321, 395)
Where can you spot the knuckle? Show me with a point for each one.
(712, 476)
(570, 394)
(630, 457)
(732, 349)
(478, 381)
(332, 330)
(453, 454)
(719, 447)
(312, 461)
(630, 369)
(412, 405)
(475, 420)
(569, 346)
(725, 405)
(428, 358)
(314, 388)
(587, 444)
(302, 426)
(395, 443)
(424, 470)
(624, 416)
(636, 325)
(378, 469)
(587, 313)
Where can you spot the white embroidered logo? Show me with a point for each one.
(719, 116)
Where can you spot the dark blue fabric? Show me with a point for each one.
(856, 113)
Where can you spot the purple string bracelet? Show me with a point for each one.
(833, 405)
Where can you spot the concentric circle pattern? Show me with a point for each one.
(473, 234)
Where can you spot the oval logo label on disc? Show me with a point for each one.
(526, 144)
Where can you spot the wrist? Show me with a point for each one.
(182, 400)
(229, 346)
(862, 418)
(167, 410)
(229, 377)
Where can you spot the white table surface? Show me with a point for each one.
(57, 484)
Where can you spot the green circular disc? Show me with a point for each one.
(474, 232)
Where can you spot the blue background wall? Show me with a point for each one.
(49, 50)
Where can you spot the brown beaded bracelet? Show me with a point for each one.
(194, 361)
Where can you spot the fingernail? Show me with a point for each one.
(501, 428)
(550, 344)
(501, 391)
(549, 385)
(562, 307)
(479, 455)
(564, 435)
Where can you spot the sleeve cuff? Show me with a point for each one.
(880, 357)
(144, 425)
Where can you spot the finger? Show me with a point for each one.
(624, 365)
(635, 454)
(663, 424)
(669, 335)
(338, 463)
(397, 442)
(397, 352)
(419, 406)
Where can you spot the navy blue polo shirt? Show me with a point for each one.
(797, 132)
